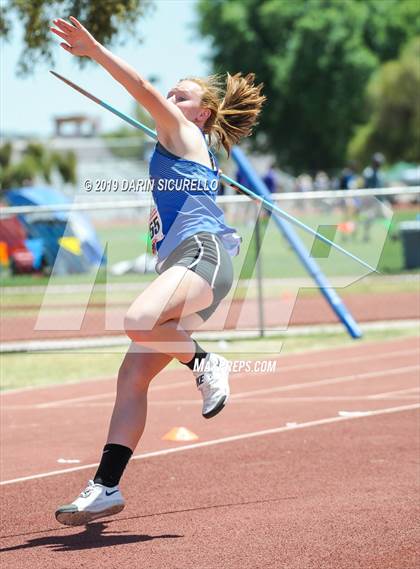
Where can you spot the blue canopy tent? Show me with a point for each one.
(70, 233)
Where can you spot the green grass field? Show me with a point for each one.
(278, 261)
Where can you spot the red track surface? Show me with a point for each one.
(337, 494)
(278, 313)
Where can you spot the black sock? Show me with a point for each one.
(113, 462)
(199, 355)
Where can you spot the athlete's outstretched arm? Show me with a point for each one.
(80, 42)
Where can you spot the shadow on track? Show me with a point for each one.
(210, 507)
(95, 531)
(92, 537)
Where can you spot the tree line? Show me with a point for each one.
(341, 76)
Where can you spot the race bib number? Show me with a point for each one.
(155, 229)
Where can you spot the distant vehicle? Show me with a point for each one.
(25, 255)
(405, 172)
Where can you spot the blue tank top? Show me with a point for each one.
(184, 193)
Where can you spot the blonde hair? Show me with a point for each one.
(235, 103)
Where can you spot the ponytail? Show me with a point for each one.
(235, 103)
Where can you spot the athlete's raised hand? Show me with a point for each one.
(78, 40)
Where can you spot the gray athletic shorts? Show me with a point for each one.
(204, 254)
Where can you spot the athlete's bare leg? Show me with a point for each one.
(153, 320)
(138, 368)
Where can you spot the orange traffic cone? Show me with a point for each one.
(180, 434)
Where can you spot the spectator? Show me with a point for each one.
(303, 184)
(348, 177)
(371, 174)
(321, 182)
(270, 179)
(373, 208)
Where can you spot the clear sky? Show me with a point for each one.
(171, 50)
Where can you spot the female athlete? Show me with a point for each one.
(193, 246)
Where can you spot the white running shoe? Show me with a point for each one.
(96, 501)
(213, 381)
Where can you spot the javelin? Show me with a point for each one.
(269, 205)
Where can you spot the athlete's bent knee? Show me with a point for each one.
(139, 325)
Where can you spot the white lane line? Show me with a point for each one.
(248, 400)
(86, 401)
(401, 394)
(411, 393)
(20, 390)
(390, 394)
(224, 440)
(60, 402)
(282, 399)
(330, 381)
(286, 400)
